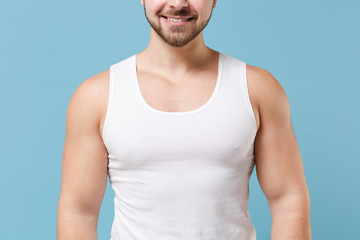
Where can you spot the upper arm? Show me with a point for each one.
(277, 156)
(84, 163)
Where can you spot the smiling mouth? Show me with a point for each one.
(177, 19)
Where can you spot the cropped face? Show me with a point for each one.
(178, 22)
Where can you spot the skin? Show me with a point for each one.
(193, 70)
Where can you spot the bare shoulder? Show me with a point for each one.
(266, 93)
(91, 98)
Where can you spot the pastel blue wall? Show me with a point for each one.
(47, 48)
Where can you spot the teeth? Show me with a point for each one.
(177, 19)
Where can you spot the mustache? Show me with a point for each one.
(179, 13)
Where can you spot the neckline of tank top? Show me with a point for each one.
(197, 110)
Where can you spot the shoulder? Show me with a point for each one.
(262, 84)
(264, 81)
(266, 93)
(90, 97)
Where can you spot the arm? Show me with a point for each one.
(84, 165)
(278, 161)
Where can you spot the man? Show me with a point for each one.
(179, 128)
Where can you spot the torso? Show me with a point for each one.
(161, 94)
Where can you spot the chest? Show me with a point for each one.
(164, 94)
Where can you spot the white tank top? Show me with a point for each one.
(180, 175)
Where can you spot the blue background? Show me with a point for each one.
(47, 48)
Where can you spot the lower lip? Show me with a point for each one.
(177, 23)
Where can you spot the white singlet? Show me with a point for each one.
(180, 175)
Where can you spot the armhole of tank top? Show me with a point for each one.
(110, 96)
(247, 97)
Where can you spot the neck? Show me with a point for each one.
(176, 59)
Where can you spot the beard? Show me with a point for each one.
(178, 36)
